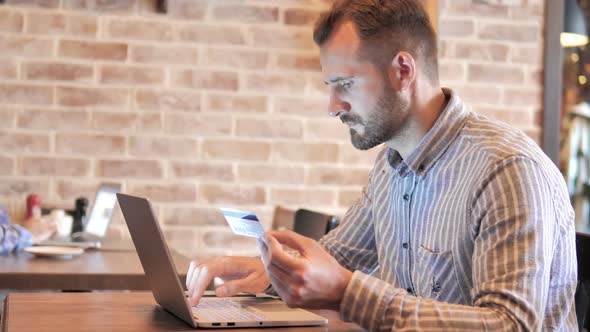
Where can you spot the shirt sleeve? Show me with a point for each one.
(520, 231)
(14, 238)
(352, 243)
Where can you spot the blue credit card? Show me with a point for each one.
(247, 224)
(243, 223)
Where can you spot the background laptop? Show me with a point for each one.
(211, 312)
(97, 223)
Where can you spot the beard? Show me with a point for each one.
(384, 121)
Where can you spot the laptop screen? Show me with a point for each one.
(102, 209)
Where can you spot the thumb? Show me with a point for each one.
(233, 287)
(291, 239)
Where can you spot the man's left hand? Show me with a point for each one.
(314, 280)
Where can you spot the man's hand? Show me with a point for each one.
(240, 274)
(315, 280)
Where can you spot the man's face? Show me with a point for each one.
(361, 93)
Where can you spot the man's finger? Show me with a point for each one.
(204, 279)
(281, 273)
(193, 295)
(232, 287)
(279, 257)
(291, 239)
(280, 285)
(264, 250)
(189, 274)
(193, 281)
(203, 276)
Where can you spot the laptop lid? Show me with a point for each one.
(102, 210)
(154, 256)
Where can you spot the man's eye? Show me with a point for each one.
(345, 84)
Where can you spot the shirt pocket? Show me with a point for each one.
(436, 276)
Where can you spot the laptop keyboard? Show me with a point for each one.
(226, 310)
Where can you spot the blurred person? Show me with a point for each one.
(575, 155)
(15, 238)
(464, 223)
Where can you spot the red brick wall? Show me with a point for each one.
(491, 53)
(217, 103)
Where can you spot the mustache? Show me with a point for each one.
(350, 118)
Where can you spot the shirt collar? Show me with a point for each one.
(437, 140)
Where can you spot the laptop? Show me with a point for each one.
(211, 312)
(98, 220)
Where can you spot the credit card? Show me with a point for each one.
(247, 224)
(243, 222)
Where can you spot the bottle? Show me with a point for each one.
(33, 206)
(80, 215)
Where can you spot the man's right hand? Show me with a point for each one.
(240, 274)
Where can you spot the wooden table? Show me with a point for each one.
(134, 311)
(95, 269)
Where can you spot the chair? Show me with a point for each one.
(313, 224)
(283, 218)
(582, 297)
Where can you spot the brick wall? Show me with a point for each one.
(216, 103)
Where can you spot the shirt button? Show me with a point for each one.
(405, 245)
(409, 290)
(406, 197)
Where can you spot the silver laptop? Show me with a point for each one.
(98, 220)
(211, 312)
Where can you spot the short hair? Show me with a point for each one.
(385, 28)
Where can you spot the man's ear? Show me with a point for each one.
(402, 71)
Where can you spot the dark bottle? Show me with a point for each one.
(80, 215)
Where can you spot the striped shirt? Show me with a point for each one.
(472, 231)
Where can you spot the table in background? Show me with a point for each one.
(114, 269)
(132, 311)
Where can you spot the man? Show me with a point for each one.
(464, 224)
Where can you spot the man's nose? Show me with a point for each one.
(337, 105)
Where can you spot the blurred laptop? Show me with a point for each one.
(211, 312)
(97, 223)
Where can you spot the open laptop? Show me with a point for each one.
(98, 220)
(211, 312)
